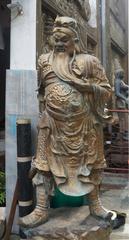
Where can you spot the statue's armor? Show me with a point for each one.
(75, 146)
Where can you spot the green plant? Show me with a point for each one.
(2, 188)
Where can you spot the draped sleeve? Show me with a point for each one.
(101, 89)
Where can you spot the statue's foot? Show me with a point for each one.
(101, 212)
(34, 219)
(96, 208)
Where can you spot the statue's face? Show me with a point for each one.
(63, 43)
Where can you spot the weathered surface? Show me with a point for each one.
(70, 224)
(2, 228)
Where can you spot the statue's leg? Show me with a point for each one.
(40, 213)
(40, 161)
(95, 205)
(42, 181)
(96, 208)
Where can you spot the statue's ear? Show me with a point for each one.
(57, 17)
(76, 40)
(57, 20)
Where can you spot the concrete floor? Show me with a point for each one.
(115, 196)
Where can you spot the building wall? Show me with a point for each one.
(118, 8)
(21, 86)
(113, 35)
(93, 19)
(23, 40)
(118, 32)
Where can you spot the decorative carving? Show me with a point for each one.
(79, 7)
(75, 90)
(47, 26)
(84, 8)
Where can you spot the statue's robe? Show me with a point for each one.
(75, 92)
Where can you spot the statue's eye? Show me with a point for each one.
(64, 39)
(65, 25)
(56, 40)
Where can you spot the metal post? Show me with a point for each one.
(24, 157)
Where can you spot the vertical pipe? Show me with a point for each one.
(103, 33)
(24, 157)
(106, 37)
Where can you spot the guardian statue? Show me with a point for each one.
(73, 92)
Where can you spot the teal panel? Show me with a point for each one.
(62, 200)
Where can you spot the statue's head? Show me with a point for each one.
(65, 34)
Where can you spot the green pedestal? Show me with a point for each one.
(62, 200)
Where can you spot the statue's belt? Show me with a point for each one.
(64, 117)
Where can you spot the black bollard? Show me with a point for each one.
(24, 156)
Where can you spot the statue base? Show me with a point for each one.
(70, 224)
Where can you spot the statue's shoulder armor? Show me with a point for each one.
(43, 60)
(44, 66)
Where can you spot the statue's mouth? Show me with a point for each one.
(59, 48)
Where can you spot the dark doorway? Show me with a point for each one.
(4, 64)
(4, 55)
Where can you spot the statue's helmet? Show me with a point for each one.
(66, 25)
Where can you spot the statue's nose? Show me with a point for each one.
(59, 44)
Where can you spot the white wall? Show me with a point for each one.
(93, 20)
(21, 85)
(23, 36)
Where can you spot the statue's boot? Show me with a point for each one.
(40, 213)
(96, 208)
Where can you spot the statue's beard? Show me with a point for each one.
(61, 65)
